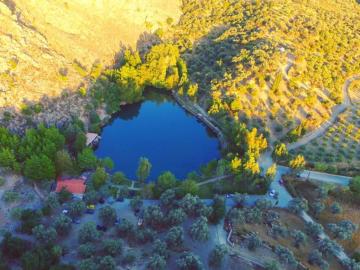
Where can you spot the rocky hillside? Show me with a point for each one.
(49, 46)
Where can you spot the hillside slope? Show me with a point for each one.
(49, 46)
(279, 64)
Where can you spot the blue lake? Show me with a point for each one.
(160, 130)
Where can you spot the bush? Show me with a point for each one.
(88, 233)
(2, 181)
(10, 196)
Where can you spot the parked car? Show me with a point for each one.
(76, 221)
(90, 209)
(140, 222)
(272, 193)
(101, 200)
(281, 181)
(120, 199)
(101, 228)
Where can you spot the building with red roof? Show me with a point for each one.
(75, 186)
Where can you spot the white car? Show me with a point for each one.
(272, 193)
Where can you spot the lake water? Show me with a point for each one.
(160, 130)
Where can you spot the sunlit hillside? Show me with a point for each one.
(281, 63)
(49, 46)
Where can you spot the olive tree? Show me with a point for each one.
(88, 233)
(175, 217)
(335, 208)
(299, 238)
(285, 255)
(217, 255)
(107, 215)
(175, 237)
(189, 261)
(156, 262)
(313, 229)
(298, 205)
(316, 258)
(199, 230)
(343, 230)
(62, 224)
(43, 235)
(254, 241)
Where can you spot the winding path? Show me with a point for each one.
(336, 111)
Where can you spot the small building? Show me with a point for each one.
(76, 187)
(92, 139)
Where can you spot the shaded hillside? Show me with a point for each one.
(48, 46)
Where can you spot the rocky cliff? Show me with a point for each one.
(48, 46)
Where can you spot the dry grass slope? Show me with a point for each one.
(41, 41)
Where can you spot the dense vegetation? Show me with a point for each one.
(274, 61)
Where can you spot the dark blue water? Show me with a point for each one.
(161, 131)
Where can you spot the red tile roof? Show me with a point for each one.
(75, 186)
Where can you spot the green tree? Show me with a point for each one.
(125, 228)
(76, 208)
(107, 215)
(29, 219)
(107, 263)
(216, 256)
(175, 237)
(271, 265)
(189, 187)
(313, 229)
(343, 230)
(154, 217)
(63, 162)
(39, 168)
(299, 238)
(156, 262)
(112, 247)
(80, 142)
(218, 209)
(8, 159)
(317, 207)
(88, 233)
(168, 198)
(160, 248)
(86, 250)
(143, 169)
(286, 256)
(254, 241)
(165, 181)
(175, 217)
(297, 163)
(298, 205)
(189, 261)
(355, 185)
(335, 208)
(13, 247)
(280, 151)
(316, 258)
(136, 203)
(119, 178)
(86, 159)
(87, 264)
(62, 224)
(107, 163)
(199, 230)
(99, 177)
(271, 171)
(43, 235)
